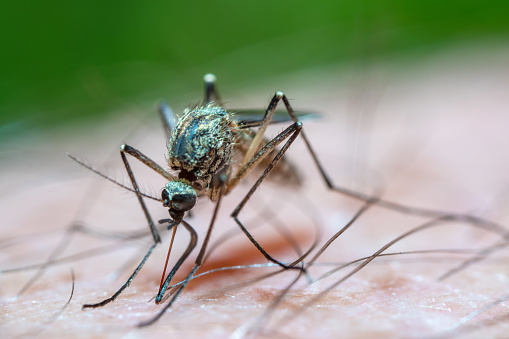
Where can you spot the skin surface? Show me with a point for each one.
(435, 138)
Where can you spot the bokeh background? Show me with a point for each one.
(70, 70)
(65, 61)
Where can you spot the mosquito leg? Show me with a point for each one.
(291, 134)
(280, 96)
(128, 149)
(145, 160)
(155, 234)
(167, 118)
(211, 94)
(475, 221)
(258, 157)
(258, 138)
(245, 167)
(220, 182)
(128, 282)
(482, 223)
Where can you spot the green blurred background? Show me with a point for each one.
(68, 60)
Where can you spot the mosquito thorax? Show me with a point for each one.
(179, 196)
(202, 142)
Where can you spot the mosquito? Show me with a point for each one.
(201, 148)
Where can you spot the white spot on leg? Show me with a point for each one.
(209, 77)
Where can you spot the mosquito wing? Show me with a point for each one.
(247, 118)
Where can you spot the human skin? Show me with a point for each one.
(434, 138)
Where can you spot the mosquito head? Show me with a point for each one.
(180, 197)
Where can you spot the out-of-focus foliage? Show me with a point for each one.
(64, 59)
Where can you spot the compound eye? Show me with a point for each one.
(183, 202)
(166, 197)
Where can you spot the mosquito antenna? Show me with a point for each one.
(96, 171)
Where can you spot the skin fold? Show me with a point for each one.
(433, 137)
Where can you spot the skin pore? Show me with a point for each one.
(434, 138)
